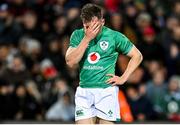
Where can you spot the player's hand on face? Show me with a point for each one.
(115, 80)
(93, 29)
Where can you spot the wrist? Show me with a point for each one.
(85, 42)
(88, 39)
(124, 77)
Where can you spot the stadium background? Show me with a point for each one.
(37, 85)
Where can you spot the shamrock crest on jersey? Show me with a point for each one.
(104, 45)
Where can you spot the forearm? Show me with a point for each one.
(132, 65)
(75, 55)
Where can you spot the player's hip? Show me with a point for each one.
(100, 102)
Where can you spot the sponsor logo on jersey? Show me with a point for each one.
(104, 45)
(93, 57)
(93, 67)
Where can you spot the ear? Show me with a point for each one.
(84, 25)
(85, 28)
(103, 22)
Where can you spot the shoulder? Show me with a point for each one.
(78, 33)
(114, 33)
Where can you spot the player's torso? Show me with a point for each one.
(99, 59)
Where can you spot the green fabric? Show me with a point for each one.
(100, 57)
(118, 119)
(171, 103)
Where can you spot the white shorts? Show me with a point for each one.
(100, 102)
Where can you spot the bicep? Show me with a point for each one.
(123, 44)
(70, 50)
(133, 52)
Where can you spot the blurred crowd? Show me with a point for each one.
(35, 82)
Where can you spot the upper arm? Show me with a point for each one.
(134, 52)
(74, 39)
(123, 44)
(69, 50)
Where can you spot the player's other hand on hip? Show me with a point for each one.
(92, 29)
(115, 80)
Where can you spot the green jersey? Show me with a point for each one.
(100, 56)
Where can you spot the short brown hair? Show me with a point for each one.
(89, 11)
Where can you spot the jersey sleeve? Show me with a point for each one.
(123, 44)
(74, 39)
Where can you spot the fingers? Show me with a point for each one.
(109, 81)
(93, 29)
(114, 84)
(96, 25)
(112, 75)
(97, 29)
(93, 23)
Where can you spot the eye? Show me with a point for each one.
(87, 27)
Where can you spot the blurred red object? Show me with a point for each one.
(174, 117)
(125, 111)
(149, 31)
(112, 5)
(50, 72)
(48, 69)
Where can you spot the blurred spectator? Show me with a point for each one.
(176, 8)
(63, 108)
(30, 27)
(131, 14)
(160, 17)
(6, 99)
(118, 23)
(139, 105)
(156, 89)
(4, 53)
(16, 71)
(143, 21)
(18, 7)
(32, 89)
(149, 47)
(74, 21)
(60, 25)
(173, 62)
(171, 99)
(10, 30)
(48, 70)
(30, 50)
(26, 105)
(166, 35)
(54, 53)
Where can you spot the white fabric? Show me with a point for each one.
(100, 102)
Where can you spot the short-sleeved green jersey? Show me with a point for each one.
(100, 57)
